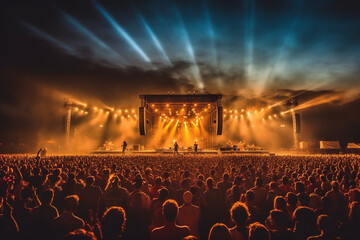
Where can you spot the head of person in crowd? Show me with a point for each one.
(291, 199)
(190, 237)
(305, 221)
(47, 196)
(280, 203)
(113, 223)
(170, 210)
(257, 231)
(71, 203)
(327, 226)
(90, 180)
(285, 180)
(163, 193)
(249, 196)
(219, 231)
(278, 220)
(210, 183)
(187, 197)
(239, 214)
(80, 234)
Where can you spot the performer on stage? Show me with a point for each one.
(176, 148)
(124, 147)
(196, 147)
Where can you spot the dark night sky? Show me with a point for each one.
(108, 52)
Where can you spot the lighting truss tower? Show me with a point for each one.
(292, 102)
(68, 105)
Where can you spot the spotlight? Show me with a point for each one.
(128, 116)
(86, 113)
(235, 111)
(107, 113)
(95, 108)
(153, 105)
(115, 115)
(76, 109)
(119, 111)
(112, 109)
(167, 105)
(135, 116)
(195, 104)
(126, 111)
(101, 110)
(82, 111)
(132, 110)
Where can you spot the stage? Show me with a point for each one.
(181, 152)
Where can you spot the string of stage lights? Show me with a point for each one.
(182, 118)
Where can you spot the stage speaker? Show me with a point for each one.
(142, 120)
(219, 121)
(297, 120)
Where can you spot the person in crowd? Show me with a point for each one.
(189, 214)
(67, 221)
(258, 231)
(90, 197)
(305, 223)
(225, 184)
(157, 217)
(328, 229)
(170, 231)
(239, 215)
(113, 223)
(278, 224)
(43, 215)
(115, 195)
(219, 231)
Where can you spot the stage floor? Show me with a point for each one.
(181, 152)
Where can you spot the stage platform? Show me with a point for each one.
(181, 152)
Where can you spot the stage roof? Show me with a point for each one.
(181, 98)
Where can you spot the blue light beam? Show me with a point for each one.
(48, 37)
(155, 39)
(89, 34)
(122, 32)
(191, 53)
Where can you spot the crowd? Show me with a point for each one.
(226, 197)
